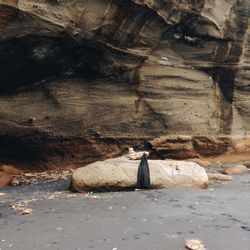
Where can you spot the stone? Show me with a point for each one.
(11, 169)
(194, 244)
(121, 173)
(234, 170)
(5, 179)
(247, 164)
(219, 177)
(15, 182)
(26, 211)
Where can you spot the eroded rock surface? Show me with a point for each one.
(81, 80)
(5, 178)
(121, 173)
(219, 177)
(238, 169)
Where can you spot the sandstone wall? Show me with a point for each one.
(81, 80)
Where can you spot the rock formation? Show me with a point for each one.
(81, 80)
(5, 179)
(121, 174)
(238, 169)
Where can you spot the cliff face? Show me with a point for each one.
(80, 80)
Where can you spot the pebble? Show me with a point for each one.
(59, 229)
(219, 177)
(27, 211)
(193, 244)
(15, 182)
(238, 169)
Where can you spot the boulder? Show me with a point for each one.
(219, 177)
(11, 169)
(238, 169)
(5, 179)
(121, 173)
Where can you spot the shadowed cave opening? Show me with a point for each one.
(31, 60)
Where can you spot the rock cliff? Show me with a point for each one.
(80, 80)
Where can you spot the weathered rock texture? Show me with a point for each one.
(239, 169)
(121, 173)
(5, 178)
(80, 80)
(219, 177)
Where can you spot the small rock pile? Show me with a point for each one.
(22, 206)
(15, 177)
(35, 178)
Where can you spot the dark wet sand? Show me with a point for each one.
(148, 220)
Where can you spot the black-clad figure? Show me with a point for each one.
(143, 175)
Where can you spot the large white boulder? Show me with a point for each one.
(121, 173)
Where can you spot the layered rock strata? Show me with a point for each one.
(81, 80)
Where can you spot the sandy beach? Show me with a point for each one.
(152, 220)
